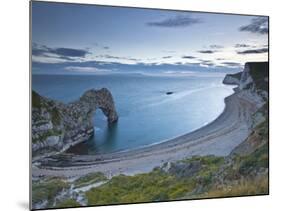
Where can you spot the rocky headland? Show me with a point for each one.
(57, 126)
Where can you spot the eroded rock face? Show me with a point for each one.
(232, 79)
(102, 99)
(252, 82)
(57, 126)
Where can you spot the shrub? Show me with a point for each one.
(90, 179)
(47, 189)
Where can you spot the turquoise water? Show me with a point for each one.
(147, 115)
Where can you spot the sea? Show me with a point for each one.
(147, 114)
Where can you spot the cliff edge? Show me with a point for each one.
(253, 85)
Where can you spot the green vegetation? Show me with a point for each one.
(209, 161)
(153, 186)
(253, 186)
(55, 116)
(157, 185)
(209, 167)
(36, 100)
(259, 158)
(68, 203)
(262, 129)
(90, 179)
(47, 189)
(256, 160)
(235, 175)
(216, 177)
(39, 102)
(259, 72)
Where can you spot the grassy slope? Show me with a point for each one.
(47, 189)
(218, 177)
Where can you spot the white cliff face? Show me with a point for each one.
(231, 80)
(246, 78)
(57, 126)
(252, 96)
(249, 90)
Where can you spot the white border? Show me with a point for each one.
(15, 103)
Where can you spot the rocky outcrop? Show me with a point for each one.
(252, 82)
(181, 168)
(232, 79)
(57, 126)
(253, 78)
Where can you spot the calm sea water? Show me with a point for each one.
(146, 114)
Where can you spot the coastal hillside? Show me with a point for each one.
(244, 171)
(57, 126)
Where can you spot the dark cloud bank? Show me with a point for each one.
(207, 51)
(188, 57)
(63, 53)
(176, 22)
(254, 51)
(258, 25)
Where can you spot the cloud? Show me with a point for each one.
(188, 57)
(253, 51)
(231, 64)
(242, 46)
(207, 51)
(43, 53)
(107, 56)
(86, 69)
(69, 52)
(208, 63)
(102, 67)
(39, 50)
(166, 57)
(258, 25)
(176, 22)
(216, 46)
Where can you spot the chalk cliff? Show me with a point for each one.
(57, 126)
(232, 79)
(253, 86)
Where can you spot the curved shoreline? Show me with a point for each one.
(219, 137)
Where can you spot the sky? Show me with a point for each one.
(75, 38)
